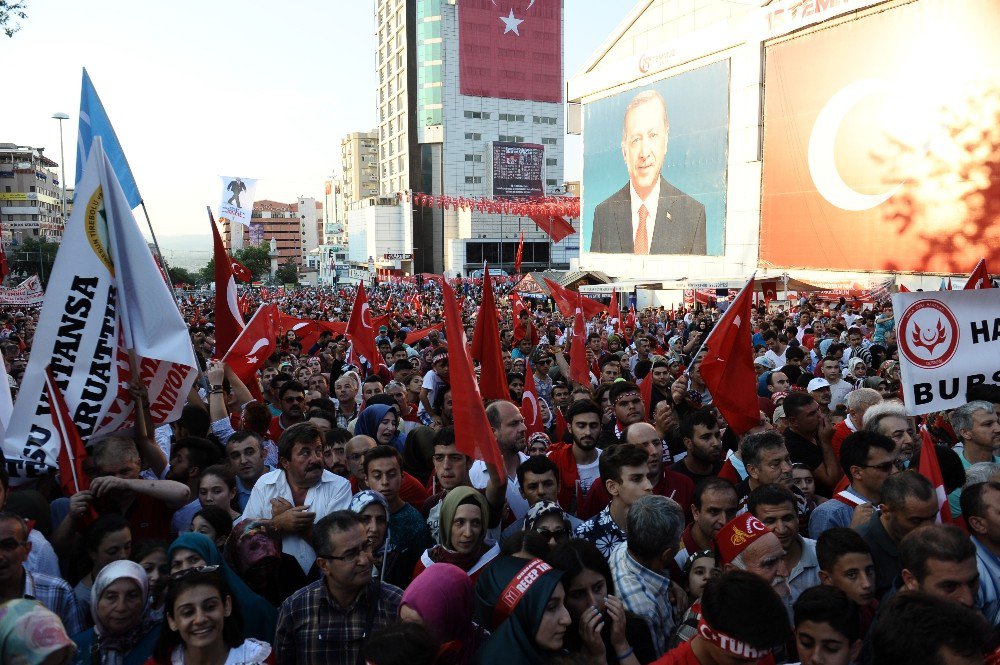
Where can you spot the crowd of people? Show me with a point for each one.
(339, 519)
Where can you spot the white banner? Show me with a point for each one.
(237, 199)
(948, 341)
(105, 295)
(28, 293)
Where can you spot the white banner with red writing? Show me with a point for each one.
(105, 297)
(28, 293)
(948, 341)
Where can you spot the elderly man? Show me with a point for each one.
(298, 493)
(977, 426)
(859, 401)
(648, 215)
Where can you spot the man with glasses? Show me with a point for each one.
(292, 401)
(298, 493)
(868, 459)
(541, 366)
(329, 620)
(16, 582)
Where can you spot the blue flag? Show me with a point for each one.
(94, 122)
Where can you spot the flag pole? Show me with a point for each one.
(159, 254)
(702, 347)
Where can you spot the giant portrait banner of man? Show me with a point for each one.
(881, 146)
(654, 167)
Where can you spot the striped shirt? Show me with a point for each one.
(646, 593)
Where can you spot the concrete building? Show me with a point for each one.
(30, 194)
(359, 161)
(381, 234)
(435, 139)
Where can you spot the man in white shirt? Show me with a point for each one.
(299, 493)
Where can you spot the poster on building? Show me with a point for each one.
(880, 153)
(517, 169)
(665, 145)
(256, 233)
(237, 199)
(948, 342)
(513, 52)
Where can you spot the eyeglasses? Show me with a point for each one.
(11, 544)
(181, 574)
(556, 534)
(350, 556)
(886, 467)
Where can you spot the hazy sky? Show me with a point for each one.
(200, 89)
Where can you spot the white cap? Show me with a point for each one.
(817, 384)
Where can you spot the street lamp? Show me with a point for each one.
(62, 162)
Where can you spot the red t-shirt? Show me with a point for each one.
(684, 655)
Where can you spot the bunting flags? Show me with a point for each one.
(727, 367)
(228, 320)
(486, 346)
(94, 122)
(473, 434)
(72, 478)
(361, 331)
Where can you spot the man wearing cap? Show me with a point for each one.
(541, 364)
(762, 365)
(819, 388)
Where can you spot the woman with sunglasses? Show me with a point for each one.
(195, 550)
(125, 629)
(204, 624)
(600, 627)
(549, 520)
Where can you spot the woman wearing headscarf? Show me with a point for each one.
(254, 551)
(380, 422)
(125, 628)
(390, 566)
(440, 599)
(528, 620)
(465, 515)
(856, 372)
(259, 615)
(30, 634)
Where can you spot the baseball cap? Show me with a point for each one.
(764, 362)
(818, 384)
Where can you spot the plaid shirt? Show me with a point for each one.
(645, 593)
(56, 595)
(313, 628)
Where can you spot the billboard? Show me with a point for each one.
(517, 169)
(675, 170)
(881, 142)
(511, 53)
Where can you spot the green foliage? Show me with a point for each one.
(32, 256)
(207, 274)
(184, 276)
(256, 259)
(12, 9)
(287, 273)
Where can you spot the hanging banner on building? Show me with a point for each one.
(237, 199)
(256, 233)
(948, 342)
(513, 52)
(26, 294)
(517, 169)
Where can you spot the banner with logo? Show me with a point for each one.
(237, 199)
(105, 303)
(948, 342)
(26, 294)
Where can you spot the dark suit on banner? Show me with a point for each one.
(679, 226)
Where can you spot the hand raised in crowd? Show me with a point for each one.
(104, 484)
(591, 625)
(862, 514)
(79, 503)
(216, 372)
(614, 609)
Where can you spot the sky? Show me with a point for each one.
(197, 90)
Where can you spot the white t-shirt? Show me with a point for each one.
(589, 473)
(432, 383)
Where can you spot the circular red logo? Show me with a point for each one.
(928, 334)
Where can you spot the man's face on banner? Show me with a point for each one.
(644, 144)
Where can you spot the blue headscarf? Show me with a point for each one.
(260, 619)
(369, 420)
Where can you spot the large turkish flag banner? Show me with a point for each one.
(511, 51)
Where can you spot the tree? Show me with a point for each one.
(287, 273)
(207, 274)
(256, 258)
(32, 256)
(184, 276)
(12, 9)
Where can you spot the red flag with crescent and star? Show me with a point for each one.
(511, 50)
(530, 411)
(980, 277)
(254, 345)
(360, 329)
(228, 320)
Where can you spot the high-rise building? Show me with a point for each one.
(470, 105)
(359, 162)
(30, 194)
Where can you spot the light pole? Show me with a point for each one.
(60, 116)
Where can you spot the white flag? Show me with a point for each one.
(237, 199)
(104, 297)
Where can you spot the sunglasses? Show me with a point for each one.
(181, 574)
(11, 544)
(553, 533)
(886, 467)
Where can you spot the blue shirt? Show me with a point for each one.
(988, 601)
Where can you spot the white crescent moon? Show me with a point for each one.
(366, 317)
(257, 346)
(530, 397)
(299, 325)
(231, 300)
(822, 166)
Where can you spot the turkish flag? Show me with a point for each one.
(567, 301)
(72, 479)
(516, 304)
(254, 345)
(614, 311)
(530, 410)
(770, 290)
(931, 470)
(559, 425)
(980, 278)
(903, 289)
(473, 434)
(360, 329)
(486, 346)
(240, 271)
(514, 52)
(556, 227)
(520, 254)
(578, 370)
(727, 368)
(418, 335)
(228, 320)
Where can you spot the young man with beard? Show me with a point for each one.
(335, 451)
(578, 461)
(700, 433)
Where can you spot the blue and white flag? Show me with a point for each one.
(94, 122)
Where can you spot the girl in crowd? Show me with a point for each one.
(108, 539)
(389, 565)
(699, 569)
(217, 487)
(194, 550)
(32, 635)
(254, 551)
(529, 627)
(204, 624)
(214, 522)
(380, 422)
(125, 629)
(152, 556)
(600, 624)
(802, 477)
(465, 515)
(440, 599)
(549, 520)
